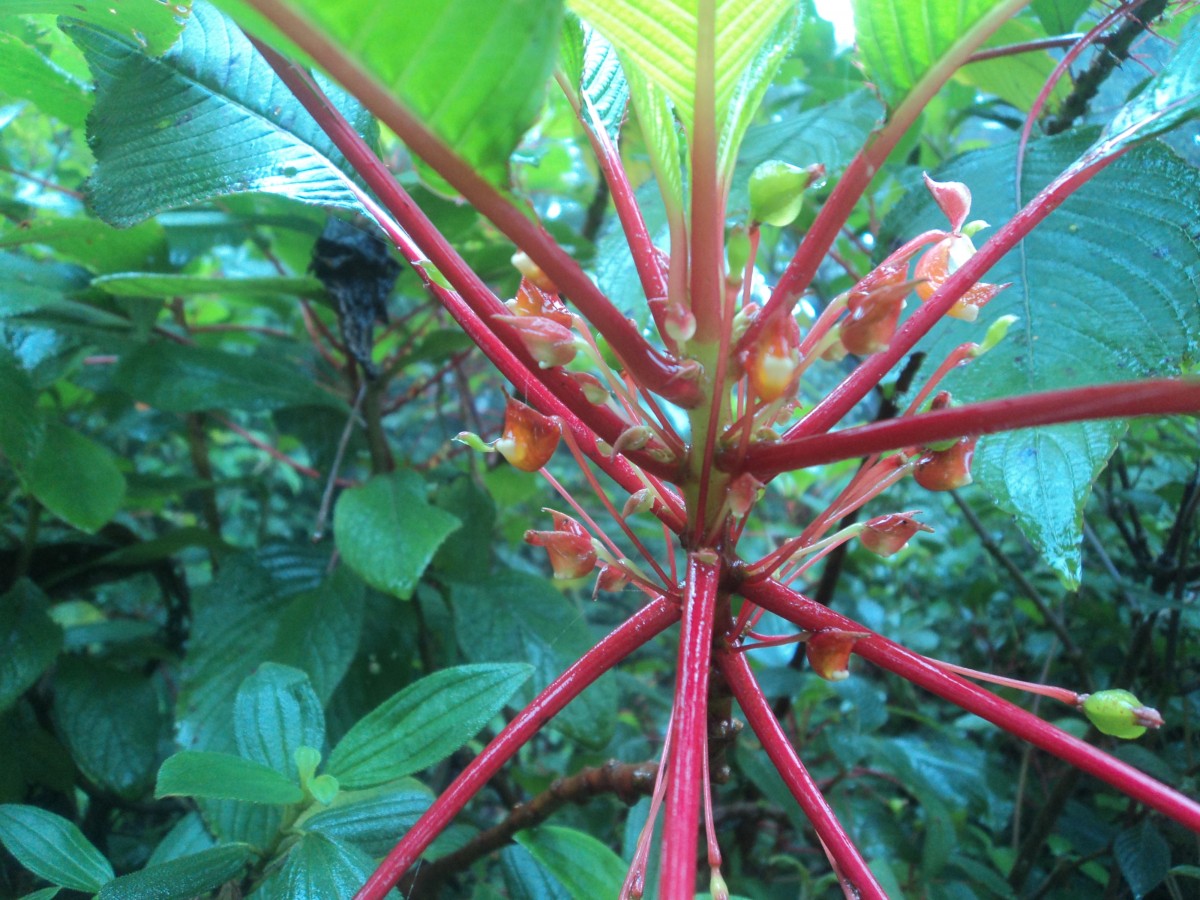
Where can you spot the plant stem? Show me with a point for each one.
(1164, 396)
(891, 656)
(848, 863)
(689, 732)
(636, 631)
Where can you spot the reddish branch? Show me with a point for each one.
(1109, 401)
(638, 630)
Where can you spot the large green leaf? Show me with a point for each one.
(209, 118)
(275, 713)
(110, 721)
(320, 868)
(76, 478)
(154, 26)
(374, 819)
(581, 864)
(474, 71)
(387, 531)
(223, 776)
(1105, 290)
(53, 848)
(150, 284)
(99, 247)
(179, 879)
(901, 41)
(1144, 857)
(29, 640)
(515, 616)
(591, 65)
(27, 74)
(658, 37)
(178, 378)
(424, 723)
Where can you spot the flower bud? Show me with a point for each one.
(569, 547)
(874, 306)
(953, 199)
(946, 470)
(1120, 714)
(531, 270)
(529, 438)
(548, 342)
(593, 388)
(941, 261)
(612, 578)
(639, 501)
(828, 652)
(886, 535)
(679, 323)
(635, 437)
(737, 254)
(771, 364)
(743, 494)
(777, 191)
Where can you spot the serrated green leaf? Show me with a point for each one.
(223, 776)
(318, 868)
(275, 712)
(178, 378)
(901, 41)
(179, 879)
(515, 616)
(372, 820)
(526, 879)
(424, 723)
(52, 848)
(1143, 856)
(474, 71)
(91, 243)
(658, 37)
(111, 722)
(231, 128)
(154, 26)
(597, 74)
(583, 865)
(26, 73)
(387, 531)
(76, 478)
(1105, 289)
(149, 284)
(29, 640)
(1016, 79)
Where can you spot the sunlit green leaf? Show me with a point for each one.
(223, 776)
(153, 26)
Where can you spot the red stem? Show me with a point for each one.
(689, 732)
(870, 373)
(672, 379)
(648, 622)
(888, 655)
(1108, 401)
(847, 861)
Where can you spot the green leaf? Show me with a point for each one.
(52, 848)
(1059, 16)
(658, 37)
(223, 776)
(592, 65)
(21, 426)
(1171, 97)
(44, 894)
(526, 879)
(187, 837)
(110, 721)
(177, 378)
(387, 532)
(1143, 857)
(27, 74)
(1016, 79)
(91, 243)
(424, 723)
(583, 865)
(28, 285)
(319, 868)
(149, 284)
(515, 616)
(276, 711)
(372, 820)
(151, 25)
(231, 128)
(179, 879)
(474, 71)
(1103, 290)
(902, 41)
(76, 478)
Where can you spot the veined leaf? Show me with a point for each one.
(659, 38)
(179, 879)
(1105, 289)
(901, 41)
(209, 118)
(591, 64)
(154, 26)
(76, 478)
(372, 820)
(29, 640)
(152, 284)
(223, 776)
(580, 863)
(474, 71)
(276, 712)
(26, 73)
(53, 848)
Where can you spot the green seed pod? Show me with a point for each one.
(777, 192)
(1115, 713)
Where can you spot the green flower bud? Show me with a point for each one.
(777, 191)
(1120, 714)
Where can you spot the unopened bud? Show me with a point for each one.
(529, 438)
(569, 547)
(946, 470)
(533, 272)
(1120, 714)
(548, 342)
(639, 501)
(679, 323)
(996, 332)
(886, 535)
(828, 652)
(593, 388)
(633, 438)
(771, 364)
(777, 191)
(953, 199)
(744, 492)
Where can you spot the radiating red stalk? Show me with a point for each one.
(1157, 397)
(847, 861)
(689, 732)
(891, 656)
(638, 630)
(670, 378)
(834, 406)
